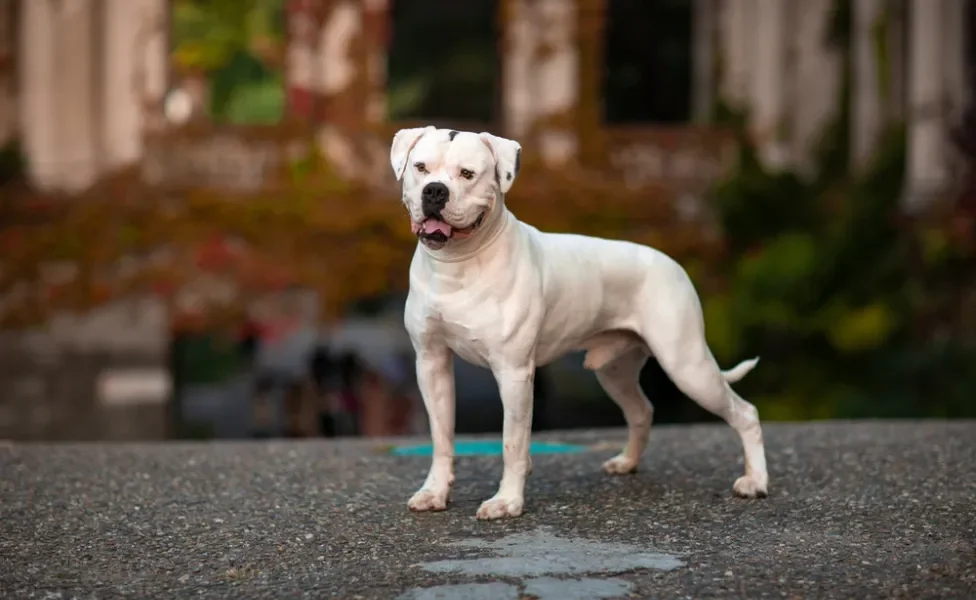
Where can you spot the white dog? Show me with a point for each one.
(503, 295)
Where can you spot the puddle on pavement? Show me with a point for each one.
(538, 553)
(538, 558)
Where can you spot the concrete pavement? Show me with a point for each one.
(856, 510)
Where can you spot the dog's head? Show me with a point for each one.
(453, 181)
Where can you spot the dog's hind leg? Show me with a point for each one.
(620, 379)
(690, 365)
(674, 330)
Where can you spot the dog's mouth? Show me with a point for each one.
(435, 231)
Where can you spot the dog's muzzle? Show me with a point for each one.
(436, 230)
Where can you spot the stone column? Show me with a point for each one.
(75, 102)
(768, 91)
(121, 110)
(8, 100)
(541, 74)
(301, 40)
(868, 109)
(927, 169)
(815, 80)
(93, 77)
(518, 49)
(557, 91)
(152, 49)
(737, 34)
(39, 92)
(340, 75)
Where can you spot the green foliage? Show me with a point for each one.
(830, 281)
(227, 41)
(242, 69)
(262, 103)
(859, 309)
(207, 34)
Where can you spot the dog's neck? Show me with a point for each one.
(494, 226)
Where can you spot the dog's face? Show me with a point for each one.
(452, 181)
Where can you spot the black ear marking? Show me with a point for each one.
(452, 134)
(518, 163)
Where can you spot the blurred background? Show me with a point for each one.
(201, 237)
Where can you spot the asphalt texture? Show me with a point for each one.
(856, 510)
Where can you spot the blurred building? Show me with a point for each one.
(630, 89)
(84, 83)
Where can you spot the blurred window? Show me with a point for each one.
(443, 62)
(648, 61)
(970, 35)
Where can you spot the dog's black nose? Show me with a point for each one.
(433, 198)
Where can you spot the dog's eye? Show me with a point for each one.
(421, 167)
(467, 174)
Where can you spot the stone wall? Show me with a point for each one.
(99, 376)
(106, 374)
(60, 396)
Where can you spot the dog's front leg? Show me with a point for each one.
(515, 385)
(435, 378)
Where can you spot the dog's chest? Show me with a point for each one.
(469, 327)
(468, 331)
(471, 349)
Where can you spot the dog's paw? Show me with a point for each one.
(500, 507)
(620, 465)
(429, 500)
(748, 487)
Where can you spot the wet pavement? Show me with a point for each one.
(856, 510)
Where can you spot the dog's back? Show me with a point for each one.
(574, 263)
(590, 284)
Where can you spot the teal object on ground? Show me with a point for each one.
(488, 448)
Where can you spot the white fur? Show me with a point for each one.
(511, 298)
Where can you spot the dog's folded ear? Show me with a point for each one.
(403, 142)
(508, 159)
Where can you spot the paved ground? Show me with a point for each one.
(857, 510)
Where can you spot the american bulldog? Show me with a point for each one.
(506, 296)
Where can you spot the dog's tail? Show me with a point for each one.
(740, 370)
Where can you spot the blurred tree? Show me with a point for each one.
(861, 307)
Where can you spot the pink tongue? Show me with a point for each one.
(433, 225)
